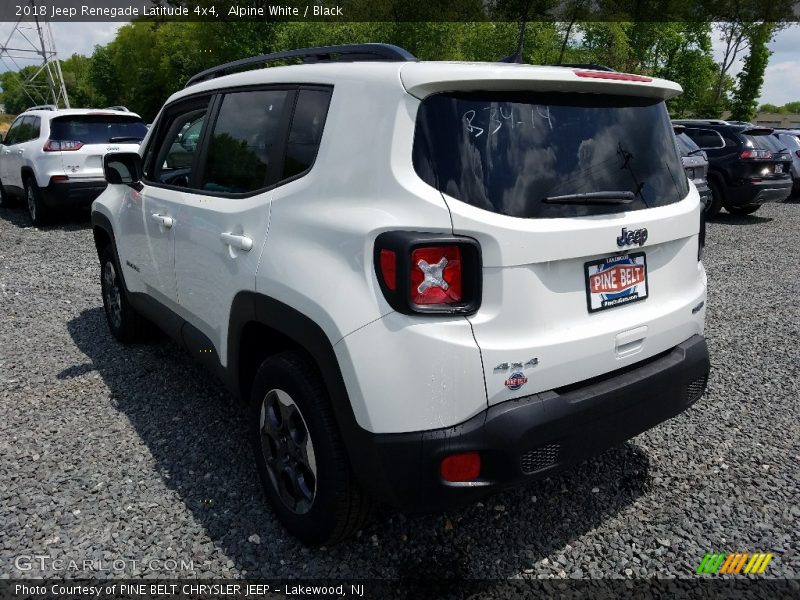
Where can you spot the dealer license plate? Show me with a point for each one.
(616, 280)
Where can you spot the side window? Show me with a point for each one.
(708, 139)
(26, 130)
(306, 130)
(243, 144)
(13, 133)
(171, 158)
(36, 128)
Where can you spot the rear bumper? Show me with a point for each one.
(531, 437)
(759, 193)
(72, 194)
(703, 190)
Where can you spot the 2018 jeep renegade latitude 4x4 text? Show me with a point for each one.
(426, 281)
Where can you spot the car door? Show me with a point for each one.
(6, 148)
(150, 219)
(12, 153)
(226, 216)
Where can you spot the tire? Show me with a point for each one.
(125, 323)
(743, 210)
(299, 454)
(33, 198)
(5, 198)
(714, 204)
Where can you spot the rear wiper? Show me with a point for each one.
(693, 152)
(592, 198)
(125, 138)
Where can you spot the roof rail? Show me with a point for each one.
(585, 66)
(119, 108)
(42, 107)
(346, 53)
(704, 121)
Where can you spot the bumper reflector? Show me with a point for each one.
(461, 467)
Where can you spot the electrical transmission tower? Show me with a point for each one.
(33, 41)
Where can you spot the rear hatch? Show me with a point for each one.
(781, 156)
(588, 228)
(84, 139)
(694, 158)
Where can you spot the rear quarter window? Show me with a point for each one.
(507, 153)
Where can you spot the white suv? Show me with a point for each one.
(426, 281)
(54, 158)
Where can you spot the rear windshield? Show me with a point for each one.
(686, 145)
(768, 142)
(98, 129)
(508, 152)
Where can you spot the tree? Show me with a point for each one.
(751, 78)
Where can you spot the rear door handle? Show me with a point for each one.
(163, 220)
(241, 242)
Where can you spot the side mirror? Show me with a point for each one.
(123, 167)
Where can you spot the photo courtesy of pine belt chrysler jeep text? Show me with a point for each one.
(425, 281)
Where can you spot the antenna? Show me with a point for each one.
(34, 42)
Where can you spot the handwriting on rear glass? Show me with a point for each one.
(492, 119)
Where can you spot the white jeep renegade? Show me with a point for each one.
(425, 280)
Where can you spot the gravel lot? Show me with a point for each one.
(111, 453)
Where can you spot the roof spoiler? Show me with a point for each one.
(757, 131)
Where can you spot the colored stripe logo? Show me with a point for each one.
(739, 562)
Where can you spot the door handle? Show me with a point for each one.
(241, 242)
(163, 220)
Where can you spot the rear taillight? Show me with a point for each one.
(427, 273)
(797, 152)
(435, 275)
(62, 145)
(389, 268)
(755, 154)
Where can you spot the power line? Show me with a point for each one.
(47, 82)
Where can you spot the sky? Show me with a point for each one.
(781, 79)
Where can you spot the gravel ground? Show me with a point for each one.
(110, 453)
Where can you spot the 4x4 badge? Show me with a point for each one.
(634, 236)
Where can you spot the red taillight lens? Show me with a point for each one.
(612, 75)
(389, 268)
(62, 145)
(436, 275)
(755, 154)
(461, 467)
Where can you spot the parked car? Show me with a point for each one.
(426, 281)
(781, 152)
(695, 163)
(742, 175)
(790, 139)
(54, 158)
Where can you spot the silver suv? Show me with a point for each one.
(54, 158)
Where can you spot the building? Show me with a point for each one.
(767, 119)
